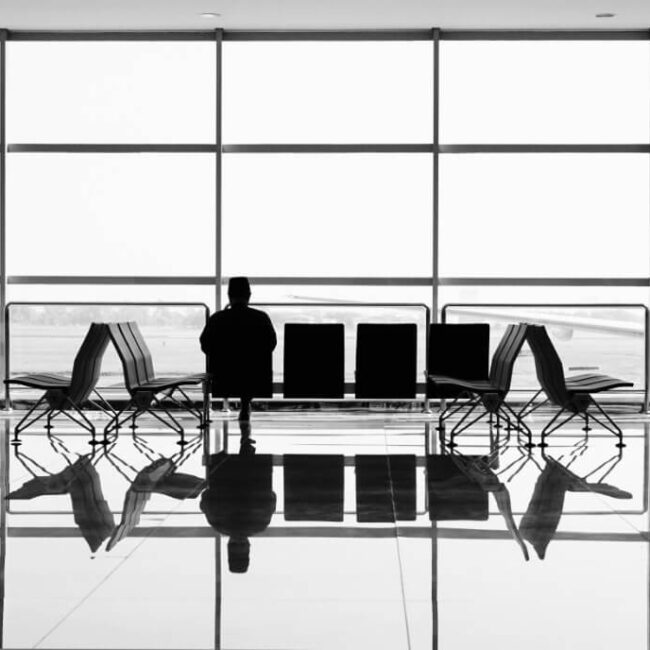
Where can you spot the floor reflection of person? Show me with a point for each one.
(239, 341)
(239, 501)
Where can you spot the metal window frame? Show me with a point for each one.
(218, 148)
(334, 35)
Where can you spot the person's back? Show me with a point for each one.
(239, 342)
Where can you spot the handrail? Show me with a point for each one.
(7, 320)
(422, 306)
(584, 305)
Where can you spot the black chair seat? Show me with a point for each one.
(478, 386)
(44, 381)
(164, 383)
(594, 383)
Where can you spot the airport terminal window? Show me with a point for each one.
(328, 92)
(545, 92)
(79, 92)
(110, 214)
(327, 214)
(335, 214)
(544, 215)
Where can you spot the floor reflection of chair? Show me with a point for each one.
(81, 481)
(458, 488)
(148, 393)
(313, 487)
(385, 487)
(542, 517)
(159, 476)
(573, 394)
(486, 395)
(68, 395)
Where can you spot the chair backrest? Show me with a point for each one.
(548, 365)
(143, 348)
(133, 360)
(87, 363)
(503, 360)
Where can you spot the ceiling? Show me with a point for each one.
(322, 14)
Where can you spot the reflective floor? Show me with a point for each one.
(319, 530)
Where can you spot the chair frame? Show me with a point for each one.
(148, 392)
(489, 394)
(67, 395)
(573, 394)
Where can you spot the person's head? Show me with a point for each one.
(239, 291)
(238, 554)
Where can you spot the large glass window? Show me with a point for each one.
(111, 214)
(142, 92)
(544, 215)
(545, 92)
(301, 92)
(327, 215)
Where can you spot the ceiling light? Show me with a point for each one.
(605, 15)
(210, 15)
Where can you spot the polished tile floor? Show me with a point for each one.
(325, 530)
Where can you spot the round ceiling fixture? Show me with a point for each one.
(605, 15)
(210, 15)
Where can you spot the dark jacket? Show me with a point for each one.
(239, 342)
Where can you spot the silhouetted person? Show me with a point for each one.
(239, 341)
(239, 501)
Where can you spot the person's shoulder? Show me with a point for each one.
(258, 313)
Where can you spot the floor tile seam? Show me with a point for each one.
(396, 528)
(101, 582)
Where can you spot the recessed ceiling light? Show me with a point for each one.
(210, 15)
(605, 15)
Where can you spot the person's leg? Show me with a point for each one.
(245, 412)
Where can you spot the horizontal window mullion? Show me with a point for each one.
(110, 148)
(544, 148)
(333, 281)
(543, 35)
(330, 35)
(545, 282)
(107, 148)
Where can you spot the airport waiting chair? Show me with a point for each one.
(573, 394)
(148, 393)
(68, 395)
(486, 395)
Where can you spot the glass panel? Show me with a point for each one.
(328, 92)
(111, 293)
(96, 214)
(327, 215)
(544, 215)
(570, 92)
(111, 92)
(605, 339)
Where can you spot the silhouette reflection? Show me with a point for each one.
(81, 481)
(385, 486)
(458, 489)
(542, 517)
(160, 476)
(239, 500)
